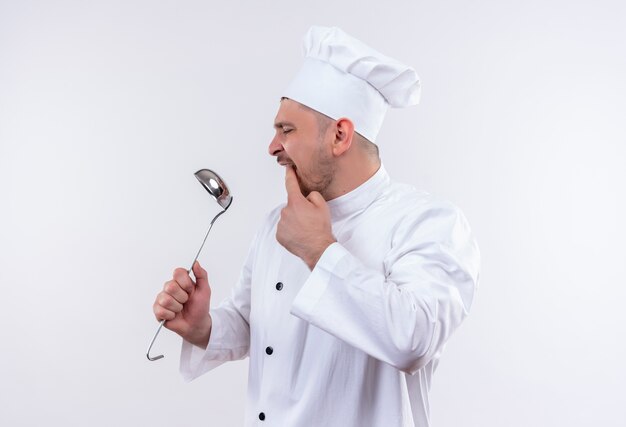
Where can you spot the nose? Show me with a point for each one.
(275, 147)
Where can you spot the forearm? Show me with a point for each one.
(401, 320)
(313, 253)
(227, 339)
(200, 334)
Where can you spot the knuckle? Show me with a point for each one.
(179, 274)
(162, 314)
(163, 299)
(186, 286)
(182, 278)
(171, 287)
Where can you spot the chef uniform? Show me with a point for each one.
(355, 341)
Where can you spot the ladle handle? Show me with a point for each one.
(160, 356)
(189, 271)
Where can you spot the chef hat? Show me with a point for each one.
(343, 77)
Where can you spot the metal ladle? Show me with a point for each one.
(218, 189)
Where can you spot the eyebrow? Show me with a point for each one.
(279, 125)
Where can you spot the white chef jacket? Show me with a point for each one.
(355, 341)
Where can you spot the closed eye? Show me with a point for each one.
(284, 127)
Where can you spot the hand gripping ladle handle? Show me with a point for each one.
(160, 356)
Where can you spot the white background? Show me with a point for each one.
(107, 109)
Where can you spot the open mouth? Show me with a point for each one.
(286, 163)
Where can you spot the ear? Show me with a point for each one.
(344, 133)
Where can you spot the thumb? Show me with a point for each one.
(202, 278)
(317, 199)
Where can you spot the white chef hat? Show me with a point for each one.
(343, 77)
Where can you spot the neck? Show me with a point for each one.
(351, 172)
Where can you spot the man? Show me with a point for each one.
(352, 288)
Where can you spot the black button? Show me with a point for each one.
(262, 416)
(279, 286)
(269, 350)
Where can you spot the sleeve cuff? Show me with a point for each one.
(194, 360)
(317, 282)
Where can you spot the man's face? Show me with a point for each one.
(301, 142)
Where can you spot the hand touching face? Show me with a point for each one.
(304, 228)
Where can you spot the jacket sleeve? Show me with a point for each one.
(230, 331)
(403, 312)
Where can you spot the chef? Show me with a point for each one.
(350, 289)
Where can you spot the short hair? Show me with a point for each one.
(369, 147)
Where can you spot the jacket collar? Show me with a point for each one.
(359, 198)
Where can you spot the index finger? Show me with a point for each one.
(181, 276)
(292, 185)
